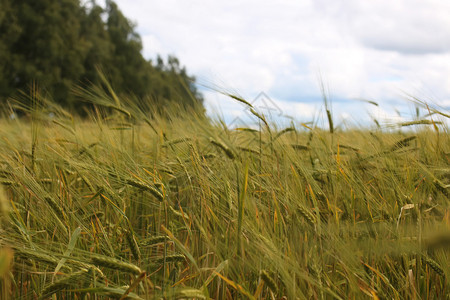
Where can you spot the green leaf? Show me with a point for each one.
(70, 247)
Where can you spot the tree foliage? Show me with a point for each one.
(58, 44)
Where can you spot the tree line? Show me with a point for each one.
(59, 44)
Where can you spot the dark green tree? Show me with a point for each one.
(58, 44)
(99, 45)
(47, 48)
(129, 70)
(10, 29)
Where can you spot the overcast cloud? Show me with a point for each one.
(375, 50)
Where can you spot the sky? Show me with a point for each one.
(358, 51)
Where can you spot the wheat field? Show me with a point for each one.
(129, 205)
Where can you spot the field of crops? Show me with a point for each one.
(180, 207)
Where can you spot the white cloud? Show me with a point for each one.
(406, 26)
(363, 49)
